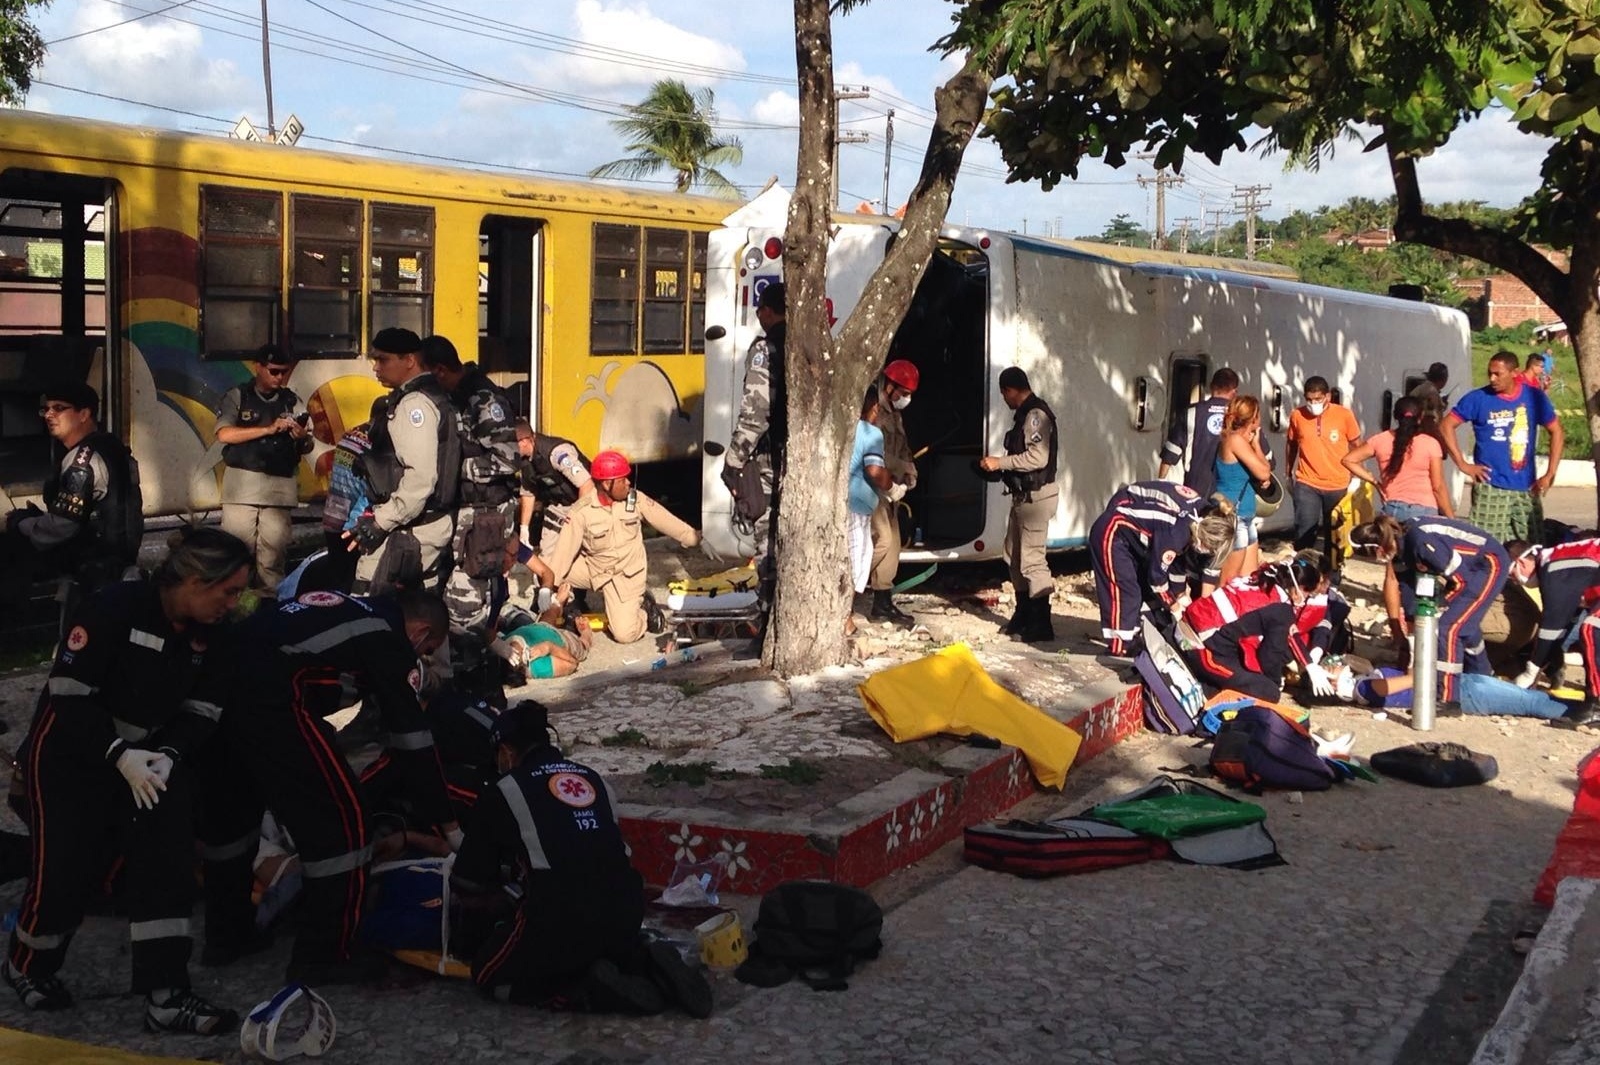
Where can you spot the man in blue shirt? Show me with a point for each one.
(1505, 416)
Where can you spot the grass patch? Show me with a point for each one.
(626, 737)
(690, 688)
(793, 771)
(27, 652)
(660, 774)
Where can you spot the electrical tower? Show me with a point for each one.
(1160, 181)
(1248, 197)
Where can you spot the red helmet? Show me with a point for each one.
(903, 373)
(609, 465)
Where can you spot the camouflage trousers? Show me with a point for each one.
(478, 575)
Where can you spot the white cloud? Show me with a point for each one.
(156, 60)
(631, 28)
(778, 108)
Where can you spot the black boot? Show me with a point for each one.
(1019, 617)
(883, 609)
(1038, 628)
(1585, 713)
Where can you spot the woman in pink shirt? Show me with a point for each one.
(1410, 464)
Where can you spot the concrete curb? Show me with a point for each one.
(1553, 1014)
(1575, 473)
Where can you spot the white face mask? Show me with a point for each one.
(901, 402)
(1316, 408)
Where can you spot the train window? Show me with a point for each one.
(614, 310)
(402, 268)
(649, 291)
(241, 248)
(325, 278)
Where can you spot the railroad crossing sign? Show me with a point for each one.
(293, 129)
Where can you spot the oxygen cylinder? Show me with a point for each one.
(1425, 657)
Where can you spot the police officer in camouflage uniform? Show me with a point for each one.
(93, 518)
(488, 488)
(552, 475)
(1028, 469)
(761, 431)
(412, 471)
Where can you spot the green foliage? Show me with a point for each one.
(1123, 230)
(626, 737)
(21, 49)
(670, 129)
(660, 774)
(793, 771)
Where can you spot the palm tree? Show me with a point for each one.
(671, 128)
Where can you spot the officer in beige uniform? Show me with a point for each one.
(412, 469)
(602, 547)
(1028, 469)
(895, 386)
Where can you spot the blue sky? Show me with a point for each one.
(532, 83)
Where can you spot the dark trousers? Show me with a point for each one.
(1461, 646)
(1224, 662)
(1313, 517)
(556, 935)
(1119, 559)
(296, 770)
(80, 813)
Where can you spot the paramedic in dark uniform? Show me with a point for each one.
(1029, 470)
(299, 654)
(896, 385)
(412, 470)
(93, 518)
(1568, 578)
(552, 474)
(1473, 568)
(1144, 546)
(552, 822)
(261, 425)
(488, 487)
(1193, 439)
(108, 749)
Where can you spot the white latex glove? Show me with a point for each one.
(162, 767)
(506, 649)
(1180, 604)
(454, 837)
(710, 552)
(1528, 677)
(543, 600)
(1321, 683)
(140, 769)
(896, 493)
(1354, 486)
(523, 537)
(1315, 656)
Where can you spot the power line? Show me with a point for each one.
(114, 25)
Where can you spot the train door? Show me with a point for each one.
(56, 309)
(510, 255)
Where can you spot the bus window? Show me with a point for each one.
(241, 245)
(649, 291)
(325, 278)
(402, 268)
(1189, 380)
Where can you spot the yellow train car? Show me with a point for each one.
(152, 263)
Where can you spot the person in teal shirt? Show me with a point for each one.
(544, 650)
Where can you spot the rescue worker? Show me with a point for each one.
(262, 427)
(93, 519)
(1152, 536)
(1241, 636)
(896, 386)
(602, 548)
(299, 655)
(1568, 578)
(576, 928)
(1192, 441)
(106, 762)
(551, 475)
(1028, 469)
(761, 428)
(487, 490)
(1473, 567)
(412, 470)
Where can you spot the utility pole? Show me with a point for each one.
(266, 72)
(853, 137)
(1248, 197)
(888, 143)
(1216, 227)
(1160, 181)
(1183, 225)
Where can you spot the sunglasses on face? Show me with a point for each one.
(55, 408)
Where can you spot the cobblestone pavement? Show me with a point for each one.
(1336, 957)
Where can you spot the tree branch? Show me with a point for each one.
(1473, 239)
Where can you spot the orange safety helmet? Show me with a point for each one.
(609, 465)
(903, 373)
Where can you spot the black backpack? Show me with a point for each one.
(815, 929)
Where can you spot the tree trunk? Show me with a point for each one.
(1582, 315)
(826, 379)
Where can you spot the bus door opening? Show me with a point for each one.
(509, 254)
(55, 261)
(945, 333)
(1189, 377)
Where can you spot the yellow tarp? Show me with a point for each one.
(20, 1048)
(948, 691)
